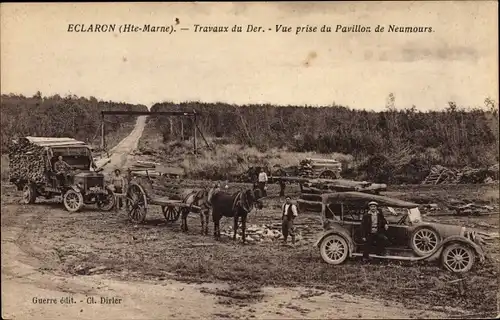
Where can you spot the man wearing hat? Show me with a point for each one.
(373, 227)
(118, 183)
(289, 213)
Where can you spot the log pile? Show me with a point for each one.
(149, 168)
(442, 175)
(319, 186)
(27, 162)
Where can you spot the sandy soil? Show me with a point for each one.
(36, 265)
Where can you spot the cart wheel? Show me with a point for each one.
(73, 201)
(328, 174)
(171, 213)
(136, 201)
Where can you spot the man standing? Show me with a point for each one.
(61, 168)
(373, 227)
(262, 180)
(118, 183)
(289, 212)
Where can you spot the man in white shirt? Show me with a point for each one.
(289, 212)
(262, 180)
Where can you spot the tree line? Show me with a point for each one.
(454, 137)
(57, 116)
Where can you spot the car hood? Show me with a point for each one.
(88, 174)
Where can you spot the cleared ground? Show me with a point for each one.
(263, 280)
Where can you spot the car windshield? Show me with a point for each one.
(394, 215)
(414, 215)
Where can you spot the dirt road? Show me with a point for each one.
(121, 153)
(36, 286)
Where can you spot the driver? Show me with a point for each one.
(62, 169)
(373, 227)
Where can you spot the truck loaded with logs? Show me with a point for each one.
(32, 169)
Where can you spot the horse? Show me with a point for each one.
(234, 205)
(200, 199)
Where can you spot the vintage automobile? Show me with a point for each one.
(410, 238)
(32, 171)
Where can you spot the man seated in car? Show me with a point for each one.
(62, 169)
(373, 227)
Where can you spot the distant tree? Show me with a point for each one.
(452, 106)
(390, 103)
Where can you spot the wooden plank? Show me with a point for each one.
(309, 202)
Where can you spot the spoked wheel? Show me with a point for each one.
(424, 241)
(334, 249)
(29, 194)
(73, 201)
(458, 258)
(107, 202)
(136, 199)
(328, 175)
(171, 213)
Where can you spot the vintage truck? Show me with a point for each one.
(31, 170)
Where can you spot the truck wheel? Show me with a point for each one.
(334, 249)
(458, 258)
(73, 201)
(107, 202)
(29, 194)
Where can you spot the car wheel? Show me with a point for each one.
(458, 258)
(334, 249)
(73, 201)
(424, 241)
(29, 194)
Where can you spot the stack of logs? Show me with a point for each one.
(443, 175)
(27, 162)
(319, 186)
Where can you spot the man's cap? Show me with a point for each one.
(372, 203)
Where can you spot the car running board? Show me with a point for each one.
(388, 257)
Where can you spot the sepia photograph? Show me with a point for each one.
(250, 160)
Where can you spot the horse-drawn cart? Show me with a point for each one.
(141, 194)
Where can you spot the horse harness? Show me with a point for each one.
(242, 202)
(197, 195)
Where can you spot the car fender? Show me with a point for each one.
(341, 233)
(453, 239)
(479, 251)
(76, 189)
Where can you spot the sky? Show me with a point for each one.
(457, 62)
